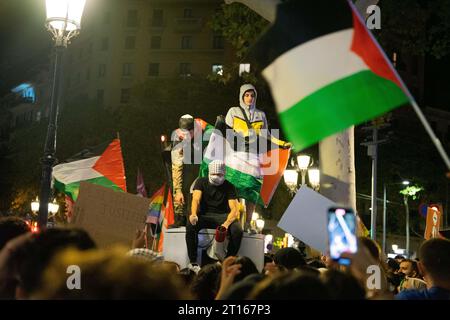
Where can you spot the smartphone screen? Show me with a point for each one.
(341, 233)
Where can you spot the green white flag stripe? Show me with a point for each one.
(325, 59)
(242, 168)
(75, 171)
(220, 149)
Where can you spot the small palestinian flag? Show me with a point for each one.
(325, 70)
(106, 170)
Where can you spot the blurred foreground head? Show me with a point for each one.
(11, 227)
(33, 256)
(435, 261)
(109, 275)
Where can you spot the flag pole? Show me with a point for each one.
(118, 135)
(413, 102)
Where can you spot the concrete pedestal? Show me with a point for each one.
(175, 248)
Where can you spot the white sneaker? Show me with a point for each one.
(194, 267)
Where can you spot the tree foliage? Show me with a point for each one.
(416, 27)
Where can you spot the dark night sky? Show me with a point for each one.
(24, 41)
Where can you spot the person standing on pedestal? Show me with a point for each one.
(184, 167)
(249, 122)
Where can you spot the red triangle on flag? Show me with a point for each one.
(110, 164)
(169, 212)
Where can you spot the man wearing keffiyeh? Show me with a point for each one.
(213, 204)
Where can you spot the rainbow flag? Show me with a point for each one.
(168, 219)
(156, 202)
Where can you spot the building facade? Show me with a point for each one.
(125, 42)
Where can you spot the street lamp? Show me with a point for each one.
(64, 22)
(303, 162)
(260, 225)
(314, 178)
(35, 205)
(409, 191)
(291, 179)
(405, 183)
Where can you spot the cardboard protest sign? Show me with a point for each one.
(306, 218)
(109, 216)
(434, 214)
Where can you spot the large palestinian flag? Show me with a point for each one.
(255, 174)
(325, 69)
(106, 170)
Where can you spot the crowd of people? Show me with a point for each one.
(38, 266)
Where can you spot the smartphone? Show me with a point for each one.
(341, 227)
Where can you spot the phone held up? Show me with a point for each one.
(341, 227)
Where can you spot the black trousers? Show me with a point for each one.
(212, 221)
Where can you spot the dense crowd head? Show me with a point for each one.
(40, 266)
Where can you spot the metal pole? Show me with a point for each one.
(384, 218)
(50, 142)
(303, 172)
(407, 225)
(374, 152)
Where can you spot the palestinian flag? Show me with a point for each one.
(254, 175)
(106, 170)
(325, 70)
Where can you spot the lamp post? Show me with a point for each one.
(405, 183)
(303, 162)
(291, 179)
(63, 21)
(409, 191)
(291, 175)
(52, 207)
(314, 178)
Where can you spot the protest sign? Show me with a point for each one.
(110, 217)
(306, 218)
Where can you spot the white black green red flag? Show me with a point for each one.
(325, 70)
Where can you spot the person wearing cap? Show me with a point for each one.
(186, 149)
(213, 204)
(249, 122)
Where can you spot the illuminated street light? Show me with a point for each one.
(64, 22)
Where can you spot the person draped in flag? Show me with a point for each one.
(213, 204)
(186, 157)
(249, 122)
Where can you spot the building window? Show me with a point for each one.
(88, 73)
(218, 42)
(185, 69)
(130, 42)
(101, 70)
(187, 13)
(106, 17)
(104, 44)
(217, 69)
(157, 18)
(132, 18)
(127, 69)
(125, 95)
(153, 69)
(244, 67)
(186, 42)
(100, 96)
(155, 42)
